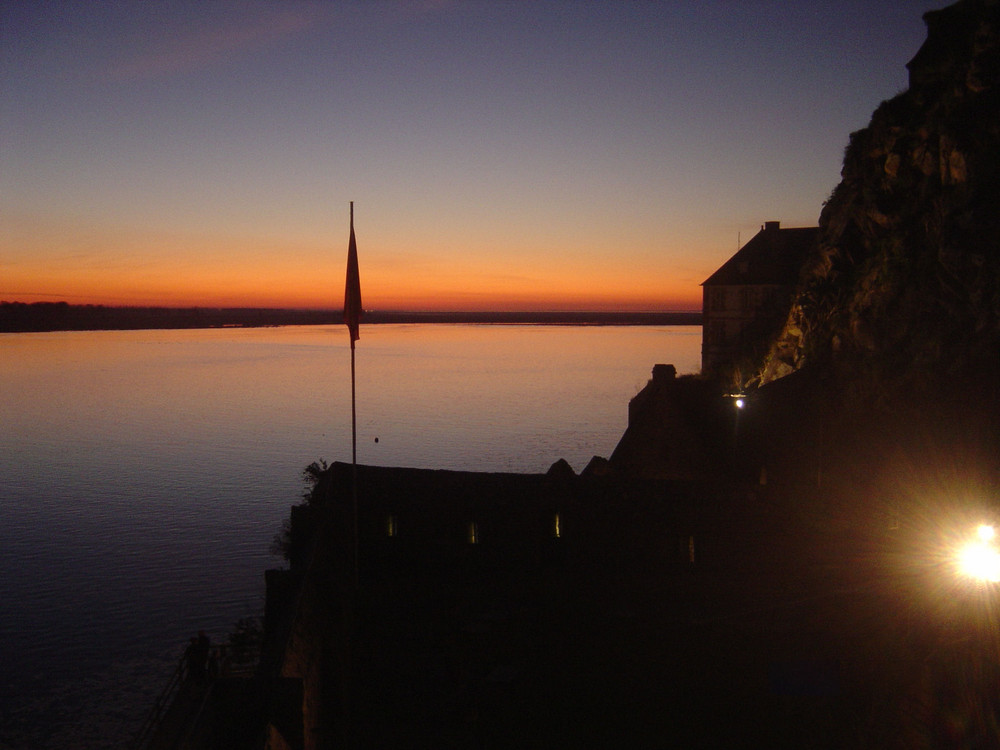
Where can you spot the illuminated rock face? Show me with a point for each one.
(904, 281)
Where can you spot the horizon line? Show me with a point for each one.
(367, 311)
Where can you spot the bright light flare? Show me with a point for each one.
(980, 559)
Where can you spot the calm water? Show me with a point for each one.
(144, 474)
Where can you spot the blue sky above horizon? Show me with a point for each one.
(501, 155)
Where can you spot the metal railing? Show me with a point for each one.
(224, 661)
(159, 709)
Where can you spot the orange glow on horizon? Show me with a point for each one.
(423, 303)
(124, 266)
(298, 285)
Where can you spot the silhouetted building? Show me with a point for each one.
(747, 299)
(674, 426)
(482, 606)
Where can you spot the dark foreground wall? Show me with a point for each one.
(660, 614)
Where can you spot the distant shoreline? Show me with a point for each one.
(19, 317)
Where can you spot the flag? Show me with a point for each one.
(352, 290)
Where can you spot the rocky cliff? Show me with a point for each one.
(904, 288)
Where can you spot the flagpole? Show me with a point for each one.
(354, 442)
(354, 416)
(354, 413)
(354, 466)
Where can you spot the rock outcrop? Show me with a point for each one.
(904, 287)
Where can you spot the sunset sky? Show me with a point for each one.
(501, 155)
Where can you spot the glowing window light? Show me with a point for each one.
(557, 529)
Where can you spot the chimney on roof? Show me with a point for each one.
(664, 373)
(772, 226)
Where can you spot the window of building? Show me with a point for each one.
(718, 298)
(715, 333)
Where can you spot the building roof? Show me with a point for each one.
(773, 256)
